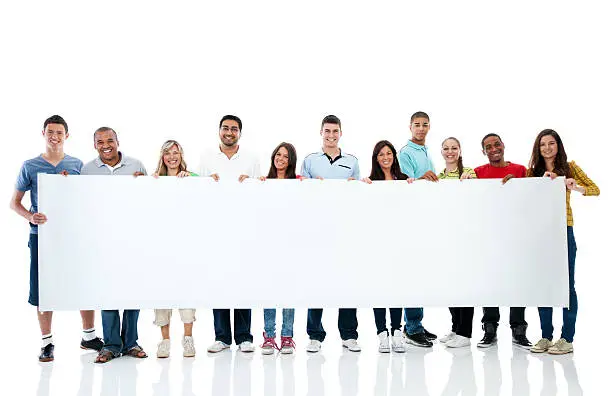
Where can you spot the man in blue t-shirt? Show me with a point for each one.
(52, 161)
(415, 162)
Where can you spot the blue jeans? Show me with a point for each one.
(120, 342)
(569, 314)
(242, 326)
(380, 318)
(414, 317)
(270, 322)
(347, 324)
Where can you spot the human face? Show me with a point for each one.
(385, 158)
(172, 157)
(419, 129)
(548, 147)
(55, 135)
(107, 146)
(281, 159)
(229, 133)
(331, 134)
(451, 151)
(494, 149)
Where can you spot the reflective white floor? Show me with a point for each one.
(502, 370)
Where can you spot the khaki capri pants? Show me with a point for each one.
(162, 316)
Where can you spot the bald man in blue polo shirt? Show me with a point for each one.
(415, 162)
(331, 163)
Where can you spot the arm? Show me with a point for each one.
(582, 183)
(305, 171)
(17, 206)
(356, 172)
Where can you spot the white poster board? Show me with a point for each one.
(125, 242)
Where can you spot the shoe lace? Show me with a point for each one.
(269, 342)
(287, 342)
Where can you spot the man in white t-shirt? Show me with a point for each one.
(230, 162)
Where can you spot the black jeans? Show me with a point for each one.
(347, 324)
(463, 318)
(517, 316)
(380, 317)
(242, 326)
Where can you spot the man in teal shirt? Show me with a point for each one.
(415, 162)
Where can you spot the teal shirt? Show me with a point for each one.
(414, 160)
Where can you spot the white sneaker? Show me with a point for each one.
(352, 345)
(383, 345)
(542, 346)
(218, 346)
(246, 346)
(458, 341)
(188, 347)
(561, 347)
(163, 349)
(313, 346)
(448, 337)
(397, 342)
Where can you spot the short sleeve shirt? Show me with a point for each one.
(126, 166)
(28, 177)
(320, 164)
(241, 163)
(414, 160)
(491, 172)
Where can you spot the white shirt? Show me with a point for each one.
(241, 163)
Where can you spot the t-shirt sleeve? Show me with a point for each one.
(256, 168)
(305, 171)
(472, 173)
(356, 172)
(142, 168)
(24, 180)
(406, 165)
(478, 172)
(522, 172)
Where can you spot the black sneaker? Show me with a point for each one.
(519, 338)
(419, 339)
(46, 353)
(430, 336)
(96, 344)
(488, 340)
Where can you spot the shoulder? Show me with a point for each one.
(312, 156)
(32, 162)
(350, 157)
(90, 165)
(481, 168)
(73, 160)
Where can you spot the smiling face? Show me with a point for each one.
(419, 128)
(281, 159)
(172, 158)
(385, 158)
(493, 149)
(451, 151)
(107, 145)
(331, 134)
(55, 135)
(229, 133)
(548, 147)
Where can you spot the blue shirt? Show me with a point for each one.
(321, 165)
(28, 180)
(414, 160)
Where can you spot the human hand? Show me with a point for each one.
(215, 177)
(552, 175)
(37, 218)
(506, 178)
(410, 180)
(367, 180)
(136, 174)
(429, 175)
(183, 174)
(241, 178)
(465, 175)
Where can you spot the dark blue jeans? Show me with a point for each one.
(347, 324)
(33, 245)
(115, 340)
(380, 318)
(414, 317)
(569, 314)
(223, 326)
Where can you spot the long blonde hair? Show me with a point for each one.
(162, 169)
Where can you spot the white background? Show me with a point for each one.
(154, 71)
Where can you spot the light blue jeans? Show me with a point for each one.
(270, 322)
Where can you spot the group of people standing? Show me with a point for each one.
(230, 161)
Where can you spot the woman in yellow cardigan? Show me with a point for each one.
(548, 159)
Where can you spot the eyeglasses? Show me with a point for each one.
(225, 128)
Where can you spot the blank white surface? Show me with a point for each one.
(508, 238)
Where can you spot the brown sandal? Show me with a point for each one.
(136, 352)
(105, 356)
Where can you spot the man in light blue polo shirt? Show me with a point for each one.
(120, 337)
(331, 163)
(415, 162)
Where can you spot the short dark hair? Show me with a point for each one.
(419, 114)
(488, 135)
(233, 118)
(105, 129)
(331, 119)
(56, 119)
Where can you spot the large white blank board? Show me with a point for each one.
(123, 242)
